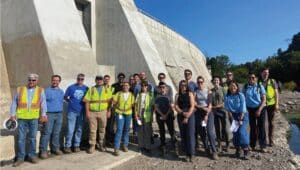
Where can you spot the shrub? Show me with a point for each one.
(291, 85)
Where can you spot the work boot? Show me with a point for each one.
(116, 152)
(58, 152)
(219, 146)
(18, 163)
(91, 150)
(238, 152)
(125, 149)
(77, 149)
(215, 156)
(226, 149)
(43, 155)
(245, 157)
(67, 150)
(101, 148)
(33, 160)
(191, 158)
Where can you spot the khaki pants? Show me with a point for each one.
(97, 120)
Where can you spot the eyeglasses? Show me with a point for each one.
(31, 79)
(80, 79)
(200, 82)
(187, 73)
(161, 77)
(162, 87)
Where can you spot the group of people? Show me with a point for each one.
(111, 109)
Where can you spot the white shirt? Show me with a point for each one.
(126, 95)
(143, 101)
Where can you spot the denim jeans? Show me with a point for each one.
(51, 130)
(27, 127)
(187, 134)
(123, 126)
(74, 129)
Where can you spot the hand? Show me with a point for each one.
(206, 118)
(241, 122)
(185, 121)
(137, 118)
(12, 118)
(108, 114)
(43, 119)
(276, 107)
(185, 114)
(257, 113)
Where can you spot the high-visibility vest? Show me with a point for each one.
(270, 92)
(148, 107)
(34, 111)
(122, 106)
(99, 102)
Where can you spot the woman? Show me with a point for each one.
(235, 103)
(184, 105)
(143, 116)
(123, 102)
(204, 118)
(220, 115)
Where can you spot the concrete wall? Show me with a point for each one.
(176, 52)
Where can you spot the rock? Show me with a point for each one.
(293, 161)
(290, 103)
(271, 160)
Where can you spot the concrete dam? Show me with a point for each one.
(94, 37)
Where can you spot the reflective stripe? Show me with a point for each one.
(99, 102)
(122, 106)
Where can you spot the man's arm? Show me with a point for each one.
(13, 107)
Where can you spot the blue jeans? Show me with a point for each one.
(123, 126)
(187, 134)
(51, 129)
(241, 136)
(74, 129)
(30, 127)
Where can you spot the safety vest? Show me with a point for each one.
(99, 102)
(270, 92)
(122, 106)
(34, 111)
(147, 113)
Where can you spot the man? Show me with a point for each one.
(163, 108)
(118, 85)
(143, 77)
(97, 105)
(272, 97)
(27, 104)
(229, 78)
(188, 77)
(55, 99)
(74, 95)
(255, 96)
(162, 78)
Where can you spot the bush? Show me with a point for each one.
(291, 85)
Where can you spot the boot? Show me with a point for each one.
(215, 156)
(238, 152)
(116, 152)
(219, 146)
(246, 154)
(226, 149)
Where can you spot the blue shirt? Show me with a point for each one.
(30, 92)
(235, 104)
(192, 86)
(75, 94)
(253, 94)
(55, 99)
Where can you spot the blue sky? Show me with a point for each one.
(242, 29)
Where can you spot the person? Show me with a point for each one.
(75, 116)
(229, 78)
(123, 102)
(27, 104)
(235, 103)
(220, 114)
(204, 118)
(272, 100)
(162, 78)
(55, 99)
(143, 77)
(163, 108)
(184, 105)
(255, 95)
(143, 116)
(132, 83)
(188, 77)
(97, 108)
(118, 85)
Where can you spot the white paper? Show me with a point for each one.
(234, 126)
(203, 123)
(139, 122)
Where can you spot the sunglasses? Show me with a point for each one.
(200, 82)
(80, 79)
(31, 80)
(187, 73)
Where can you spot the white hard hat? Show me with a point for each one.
(10, 124)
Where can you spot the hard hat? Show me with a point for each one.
(10, 124)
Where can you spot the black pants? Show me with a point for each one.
(161, 125)
(221, 118)
(187, 134)
(271, 113)
(257, 127)
(109, 130)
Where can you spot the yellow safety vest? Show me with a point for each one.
(148, 102)
(99, 102)
(34, 111)
(122, 106)
(270, 92)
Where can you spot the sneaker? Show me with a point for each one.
(191, 158)
(91, 150)
(43, 155)
(125, 149)
(77, 149)
(116, 152)
(263, 150)
(215, 156)
(18, 163)
(57, 152)
(101, 148)
(245, 157)
(33, 160)
(67, 150)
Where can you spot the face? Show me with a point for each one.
(252, 79)
(183, 86)
(187, 75)
(144, 88)
(143, 76)
(126, 87)
(161, 78)
(131, 80)
(136, 78)
(162, 89)
(99, 82)
(200, 83)
(80, 80)
(55, 81)
(265, 74)
(32, 82)
(233, 88)
(121, 78)
(106, 80)
(216, 81)
(229, 76)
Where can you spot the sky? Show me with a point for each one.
(244, 30)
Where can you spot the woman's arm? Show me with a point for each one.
(178, 110)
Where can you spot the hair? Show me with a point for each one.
(187, 87)
(106, 76)
(218, 77)
(125, 82)
(188, 70)
(264, 68)
(59, 77)
(251, 72)
(161, 74)
(136, 74)
(121, 74)
(237, 85)
(161, 83)
(200, 77)
(80, 75)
